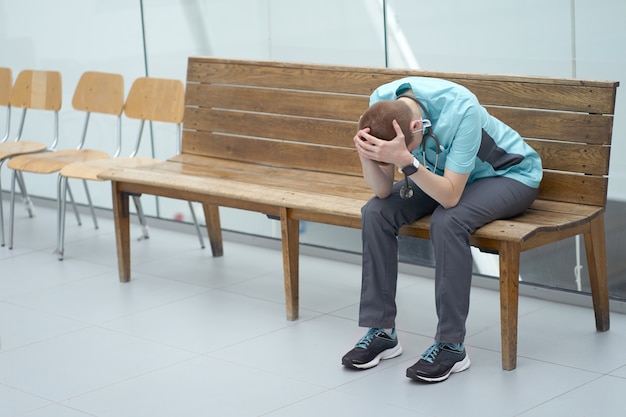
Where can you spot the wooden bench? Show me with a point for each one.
(276, 138)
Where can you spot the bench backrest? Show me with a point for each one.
(303, 116)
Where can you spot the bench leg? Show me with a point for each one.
(595, 247)
(509, 292)
(290, 233)
(214, 228)
(121, 217)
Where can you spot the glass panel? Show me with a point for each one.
(487, 36)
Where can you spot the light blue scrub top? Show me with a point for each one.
(471, 140)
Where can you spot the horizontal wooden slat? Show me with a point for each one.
(280, 75)
(275, 153)
(557, 96)
(571, 127)
(543, 218)
(557, 207)
(296, 103)
(313, 182)
(573, 157)
(170, 179)
(569, 188)
(319, 131)
(553, 217)
(531, 92)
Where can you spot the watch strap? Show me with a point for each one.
(412, 168)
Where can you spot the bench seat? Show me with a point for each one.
(337, 198)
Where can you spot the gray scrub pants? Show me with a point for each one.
(482, 201)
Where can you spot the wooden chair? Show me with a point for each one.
(37, 90)
(96, 92)
(149, 100)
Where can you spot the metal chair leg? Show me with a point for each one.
(195, 222)
(2, 242)
(27, 202)
(61, 205)
(142, 218)
(93, 211)
(76, 213)
(16, 176)
(30, 207)
(12, 208)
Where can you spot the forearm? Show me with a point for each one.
(435, 186)
(378, 177)
(446, 189)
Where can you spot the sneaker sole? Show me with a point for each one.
(457, 367)
(386, 354)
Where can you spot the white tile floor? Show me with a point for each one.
(193, 335)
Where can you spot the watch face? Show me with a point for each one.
(409, 170)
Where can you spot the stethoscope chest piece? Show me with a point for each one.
(406, 191)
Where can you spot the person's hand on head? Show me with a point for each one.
(382, 151)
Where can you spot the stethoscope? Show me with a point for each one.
(406, 191)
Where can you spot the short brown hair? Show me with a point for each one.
(380, 115)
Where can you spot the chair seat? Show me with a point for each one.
(49, 162)
(9, 149)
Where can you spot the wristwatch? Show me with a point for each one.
(411, 169)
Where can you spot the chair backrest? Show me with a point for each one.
(34, 89)
(6, 81)
(156, 99)
(99, 92)
(40, 90)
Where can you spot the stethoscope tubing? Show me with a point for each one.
(406, 191)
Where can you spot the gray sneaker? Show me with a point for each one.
(374, 346)
(438, 362)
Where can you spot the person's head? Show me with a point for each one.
(380, 115)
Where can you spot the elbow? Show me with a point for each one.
(382, 191)
(451, 199)
(382, 194)
(450, 203)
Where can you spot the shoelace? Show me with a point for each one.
(431, 353)
(367, 339)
